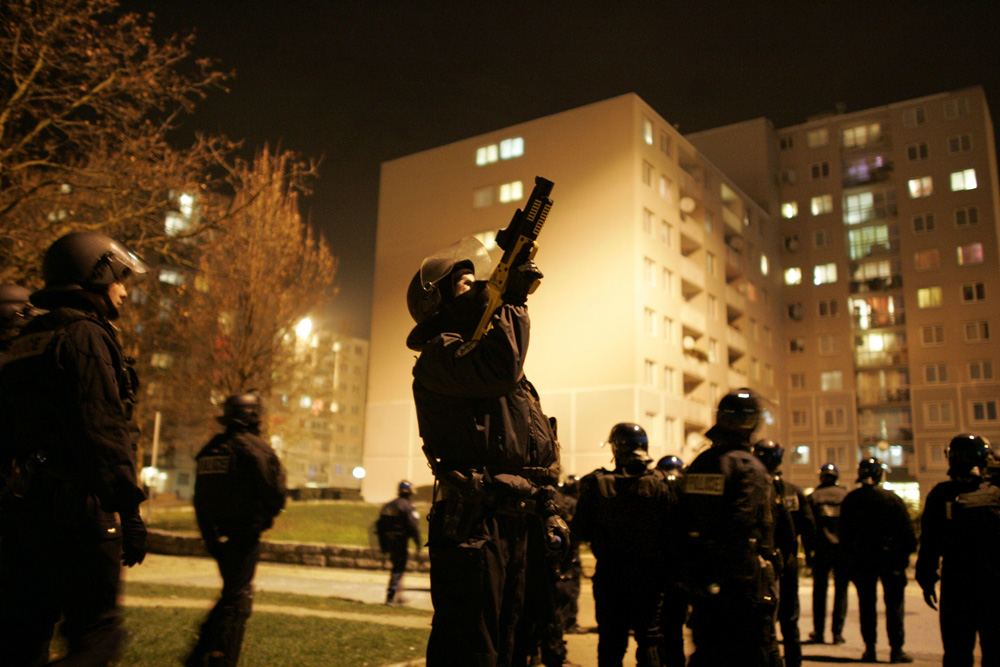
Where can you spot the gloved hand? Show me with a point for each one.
(521, 281)
(557, 536)
(930, 596)
(133, 539)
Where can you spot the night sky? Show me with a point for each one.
(360, 83)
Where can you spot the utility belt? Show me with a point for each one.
(23, 473)
(467, 496)
(497, 501)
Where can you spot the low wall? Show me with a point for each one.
(298, 553)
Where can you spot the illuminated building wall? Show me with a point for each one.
(662, 289)
(887, 219)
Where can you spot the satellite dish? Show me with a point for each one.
(688, 342)
(687, 204)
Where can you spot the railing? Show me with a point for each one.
(880, 284)
(883, 396)
(881, 358)
(878, 320)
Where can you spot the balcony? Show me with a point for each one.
(736, 339)
(872, 171)
(881, 358)
(732, 221)
(888, 248)
(868, 398)
(692, 239)
(878, 320)
(734, 265)
(876, 285)
(697, 414)
(692, 318)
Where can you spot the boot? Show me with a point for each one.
(869, 654)
(899, 655)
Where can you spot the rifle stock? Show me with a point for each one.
(518, 242)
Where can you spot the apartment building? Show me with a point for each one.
(888, 243)
(663, 282)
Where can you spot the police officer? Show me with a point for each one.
(675, 599)
(493, 452)
(827, 556)
(15, 312)
(571, 568)
(726, 509)
(239, 490)
(878, 538)
(793, 521)
(625, 514)
(398, 523)
(960, 530)
(67, 392)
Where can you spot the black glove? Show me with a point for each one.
(557, 536)
(133, 539)
(521, 281)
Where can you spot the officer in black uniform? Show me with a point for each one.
(15, 312)
(726, 509)
(398, 523)
(571, 568)
(793, 521)
(626, 515)
(878, 538)
(67, 392)
(675, 600)
(827, 556)
(239, 490)
(494, 453)
(960, 530)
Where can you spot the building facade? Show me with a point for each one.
(663, 282)
(887, 220)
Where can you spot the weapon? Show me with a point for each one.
(518, 243)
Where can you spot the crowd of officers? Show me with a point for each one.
(712, 546)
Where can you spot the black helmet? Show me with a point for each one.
(870, 471)
(629, 443)
(571, 486)
(967, 451)
(770, 454)
(670, 462)
(244, 409)
(829, 469)
(86, 261)
(740, 412)
(424, 295)
(405, 489)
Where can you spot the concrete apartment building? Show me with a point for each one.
(887, 219)
(662, 289)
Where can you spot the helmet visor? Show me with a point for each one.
(468, 249)
(125, 262)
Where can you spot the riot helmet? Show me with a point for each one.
(739, 413)
(967, 451)
(670, 462)
(244, 409)
(829, 471)
(870, 471)
(425, 294)
(405, 489)
(770, 454)
(629, 444)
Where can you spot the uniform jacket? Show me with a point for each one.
(960, 529)
(625, 518)
(875, 529)
(793, 519)
(66, 397)
(825, 501)
(240, 485)
(479, 409)
(398, 522)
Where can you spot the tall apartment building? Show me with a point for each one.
(662, 289)
(888, 226)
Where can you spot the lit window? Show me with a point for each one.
(831, 381)
(924, 260)
(817, 138)
(970, 254)
(923, 223)
(929, 297)
(821, 204)
(920, 187)
(789, 209)
(483, 197)
(487, 154)
(935, 373)
(932, 334)
(961, 143)
(977, 331)
(963, 180)
(824, 274)
(764, 266)
(171, 277)
(511, 192)
(793, 276)
(984, 411)
(973, 292)
(862, 135)
(980, 370)
(917, 151)
(966, 217)
(647, 131)
(161, 360)
(511, 148)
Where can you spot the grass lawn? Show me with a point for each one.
(340, 522)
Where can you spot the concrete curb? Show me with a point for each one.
(297, 553)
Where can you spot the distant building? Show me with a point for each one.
(847, 268)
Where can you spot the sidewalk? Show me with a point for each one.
(923, 635)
